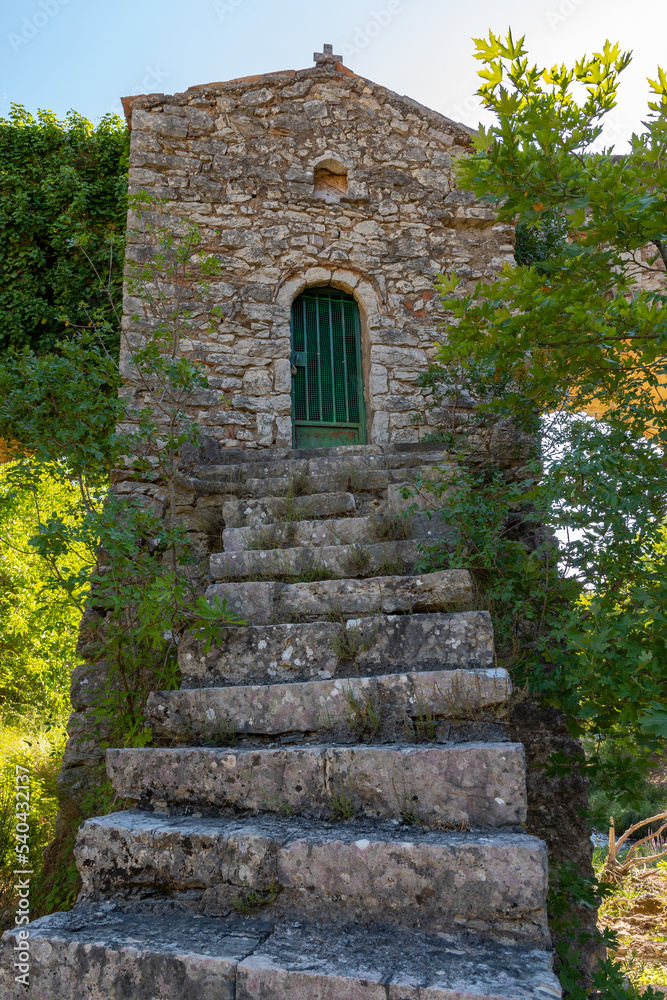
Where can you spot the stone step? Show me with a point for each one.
(356, 706)
(335, 531)
(362, 480)
(318, 463)
(357, 480)
(340, 561)
(476, 784)
(268, 510)
(494, 883)
(103, 953)
(262, 654)
(289, 534)
(267, 603)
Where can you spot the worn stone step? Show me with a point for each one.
(97, 953)
(492, 882)
(481, 784)
(343, 461)
(262, 654)
(341, 561)
(267, 510)
(101, 953)
(267, 603)
(335, 531)
(357, 478)
(289, 534)
(344, 707)
(300, 962)
(360, 480)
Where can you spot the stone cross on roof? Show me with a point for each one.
(327, 56)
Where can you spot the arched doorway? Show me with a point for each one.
(327, 383)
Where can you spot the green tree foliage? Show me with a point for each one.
(578, 329)
(37, 626)
(540, 343)
(61, 183)
(118, 554)
(570, 554)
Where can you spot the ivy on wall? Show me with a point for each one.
(63, 184)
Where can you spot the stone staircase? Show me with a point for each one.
(335, 812)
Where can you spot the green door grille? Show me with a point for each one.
(327, 386)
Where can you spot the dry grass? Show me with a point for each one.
(352, 640)
(358, 561)
(389, 527)
(273, 536)
(364, 714)
(637, 911)
(342, 804)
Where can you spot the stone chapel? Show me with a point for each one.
(342, 800)
(334, 207)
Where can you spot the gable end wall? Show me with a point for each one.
(239, 158)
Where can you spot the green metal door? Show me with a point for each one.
(327, 384)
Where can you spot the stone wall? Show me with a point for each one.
(246, 158)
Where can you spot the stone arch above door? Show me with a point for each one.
(372, 316)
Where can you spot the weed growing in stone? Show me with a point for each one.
(421, 727)
(352, 639)
(407, 808)
(342, 805)
(280, 805)
(364, 715)
(409, 815)
(389, 527)
(299, 485)
(253, 900)
(358, 561)
(281, 535)
(265, 538)
(391, 567)
(292, 508)
(220, 733)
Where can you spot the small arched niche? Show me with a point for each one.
(330, 180)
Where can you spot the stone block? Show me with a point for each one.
(314, 534)
(310, 706)
(388, 594)
(103, 953)
(171, 126)
(261, 603)
(302, 961)
(260, 654)
(253, 601)
(336, 560)
(100, 953)
(496, 882)
(255, 513)
(469, 783)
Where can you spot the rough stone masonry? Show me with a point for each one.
(311, 178)
(326, 855)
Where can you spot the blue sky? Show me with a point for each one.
(86, 54)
